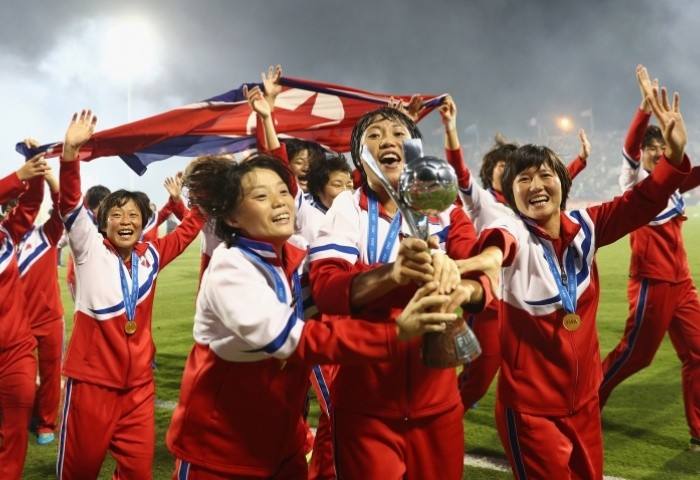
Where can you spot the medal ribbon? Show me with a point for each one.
(130, 298)
(373, 232)
(279, 283)
(567, 292)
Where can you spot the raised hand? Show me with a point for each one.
(423, 315)
(271, 83)
(51, 180)
(80, 130)
(413, 262)
(173, 185)
(33, 167)
(415, 107)
(585, 145)
(448, 114)
(669, 116)
(257, 101)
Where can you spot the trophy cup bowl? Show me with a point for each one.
(428, 186)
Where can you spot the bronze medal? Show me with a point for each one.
(130, 327)
(571, 322)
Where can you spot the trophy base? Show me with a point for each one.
(455, 346)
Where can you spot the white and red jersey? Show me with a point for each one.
(252, 358)
(657, 248)
(38, 268)
(176, 207)
(14, 323)
(546, 369)
(340, 252)
(100, 351)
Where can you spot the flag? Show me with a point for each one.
(587, 113)
(316, 111)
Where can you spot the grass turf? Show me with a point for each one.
(646, 436)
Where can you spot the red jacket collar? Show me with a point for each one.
(568, 229)
(140, 247)
(292, 256)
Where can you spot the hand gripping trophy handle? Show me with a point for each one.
(428, 186)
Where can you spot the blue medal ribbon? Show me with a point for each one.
(567, 292)
(373, 232)
(130, 298)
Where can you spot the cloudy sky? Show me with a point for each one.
(504, 61)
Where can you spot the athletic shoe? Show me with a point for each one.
(694, 445)
(45, 438)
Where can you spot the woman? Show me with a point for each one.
(547, 409)
(110, 393)
(17, 362)
(246, 378)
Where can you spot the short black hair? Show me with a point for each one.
(320, 171)
(214, 183)
(498, 153)
(652, 133)
(119, 198)
(383, 113)
(95, 195)
(529, 156)
(294, 146)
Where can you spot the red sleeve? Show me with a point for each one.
(639, 205)
(69, 181)
(163, 213)
(336, 275)
(635, 135)
(462, 238)
(176, 207)
(53, 227)
(576, 166)
(503, 240)
(456, 159)
(21, 219)
(11, 187)
(346, 341)
(174, 243)
(333, 275)
(260, 139)
(691, 181)
(485, 283)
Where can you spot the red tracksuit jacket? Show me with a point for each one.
(14, 322)
(652, 243)
(100, 351)
(546, 369)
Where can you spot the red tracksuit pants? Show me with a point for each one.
(294, 468)
(391, 449)
(561, 448)
(97, 419)
(49, 337)
(17, 376)
(656, 307)
(322, 465)
(476, 377)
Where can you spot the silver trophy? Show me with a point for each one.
(428, 186)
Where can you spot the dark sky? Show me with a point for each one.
(504, 61)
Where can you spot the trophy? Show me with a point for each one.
(428, 186)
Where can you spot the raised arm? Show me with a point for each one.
(175, 205)
(21, 218)
(579, 163)
(638, 206)
(53, 227)
(174, 243)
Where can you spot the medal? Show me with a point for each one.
(373, 232)
(130, 298)
(566, 285)
(571, 322)
(130, 327)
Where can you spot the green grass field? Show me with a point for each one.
(645, 431)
